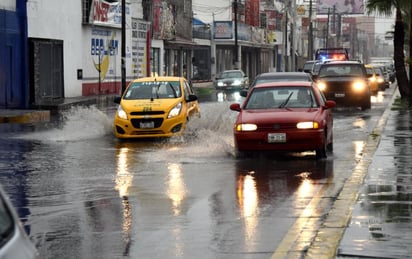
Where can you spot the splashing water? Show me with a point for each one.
(78, 123)
(210, 136)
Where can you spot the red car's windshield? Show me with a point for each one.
(281, 97)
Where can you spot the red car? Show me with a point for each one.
(284, 116)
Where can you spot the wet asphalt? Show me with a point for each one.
(372, 217)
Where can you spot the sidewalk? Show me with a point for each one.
(381, 222)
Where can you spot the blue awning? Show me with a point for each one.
(198, 22)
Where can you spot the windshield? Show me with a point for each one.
(232, 74)
(281, 97)
(341, 70)
(153, 90)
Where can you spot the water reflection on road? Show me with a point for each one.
(78, 187)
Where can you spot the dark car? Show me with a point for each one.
(281, 77)
(232, 80)
(345, 82)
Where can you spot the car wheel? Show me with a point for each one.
(367, 105)
(321, 152)
(329, 147)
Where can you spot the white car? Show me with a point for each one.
(14, 242)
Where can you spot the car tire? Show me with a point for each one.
(367, 104)
(329, 147)
(321, 152)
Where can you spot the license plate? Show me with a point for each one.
(339, 95)
(147, 125)
(277, 137)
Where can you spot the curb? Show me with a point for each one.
(24, 116)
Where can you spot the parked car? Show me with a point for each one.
(232, 80)
(280, 77)
(284, 116)
(376, 81)
(345, 82)
(14, 242)
(155, 107)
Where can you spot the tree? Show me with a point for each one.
(386, 7)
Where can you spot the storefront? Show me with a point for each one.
(255, 55)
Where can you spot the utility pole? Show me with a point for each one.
(310, 41)
(327, 30)
(236, 56)
(123, 69)
(286, 41)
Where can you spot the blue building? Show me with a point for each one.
(13, 52)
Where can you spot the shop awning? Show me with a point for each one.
(179, 42)
(197, 22)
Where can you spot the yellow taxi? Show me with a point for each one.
(374, 79)
(155, 107)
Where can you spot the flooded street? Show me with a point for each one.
(81, 193)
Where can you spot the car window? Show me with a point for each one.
(6, 223)
(308, 66)
(378, 71)
(281, 97)
(282, 78)
(233, 74)
(340, 70)
(155, 90)
(188, 90)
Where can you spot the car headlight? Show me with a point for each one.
(322, 86)
(121, 113)
(308, 125)
(237, 82)
(175, 111)
(359, 86)
(220, 84)
(246, 127)
(380, 80)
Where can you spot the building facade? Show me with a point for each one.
(53, 50)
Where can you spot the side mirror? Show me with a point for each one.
(117, 99)
(243, 92)
(330, 104)
(235, 107)
(191, 98)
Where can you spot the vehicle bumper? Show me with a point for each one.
(305, 140)
(168, 128)
(348, 98)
